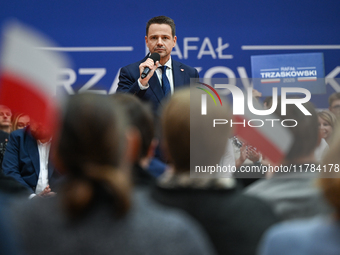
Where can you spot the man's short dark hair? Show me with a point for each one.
(333, 97)
(161, 20)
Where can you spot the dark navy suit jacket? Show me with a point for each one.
(129, 75)
(21, 160)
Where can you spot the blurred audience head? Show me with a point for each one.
(334, 103)
(5, 118)
(20, 121)
(327, 124)
(40, 132)
(139, 116)
(91, 149)
(330, 179)
(305, 133)
(186, 132)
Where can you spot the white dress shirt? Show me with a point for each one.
(169, 74)
(44, 151)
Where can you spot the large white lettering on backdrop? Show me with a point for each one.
(192, 47)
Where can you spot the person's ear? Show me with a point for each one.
(175, 40)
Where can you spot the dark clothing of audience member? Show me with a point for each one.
(8, 242)
(234, 222)
(10, 186)
(3, 143)
(141, 178)
(22, 160)
(146, 229)
(3, 136)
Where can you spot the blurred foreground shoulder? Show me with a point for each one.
(176, 232)
(317, 235)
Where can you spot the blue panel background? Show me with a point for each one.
(90, 23)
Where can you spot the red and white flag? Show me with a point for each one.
(28, 74)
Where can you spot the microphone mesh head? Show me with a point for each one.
(155, 57)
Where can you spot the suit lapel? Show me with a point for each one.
(50, 169)
(178, 74)
(32, 149)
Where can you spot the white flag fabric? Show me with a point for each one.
(28, 74)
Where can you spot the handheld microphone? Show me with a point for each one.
(155, 57)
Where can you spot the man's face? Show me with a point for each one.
(39, 131)
(335, 108)
(5, 116)
(160, 40)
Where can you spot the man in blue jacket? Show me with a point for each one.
(166, 75)
(27, 159)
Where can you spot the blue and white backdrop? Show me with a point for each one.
(216, 37)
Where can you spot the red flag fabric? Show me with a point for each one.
(28, 74)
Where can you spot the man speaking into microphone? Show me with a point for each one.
(157, 75)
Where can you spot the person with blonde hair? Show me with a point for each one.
(20, 121)
(327, 124)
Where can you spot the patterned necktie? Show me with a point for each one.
(165, 81)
